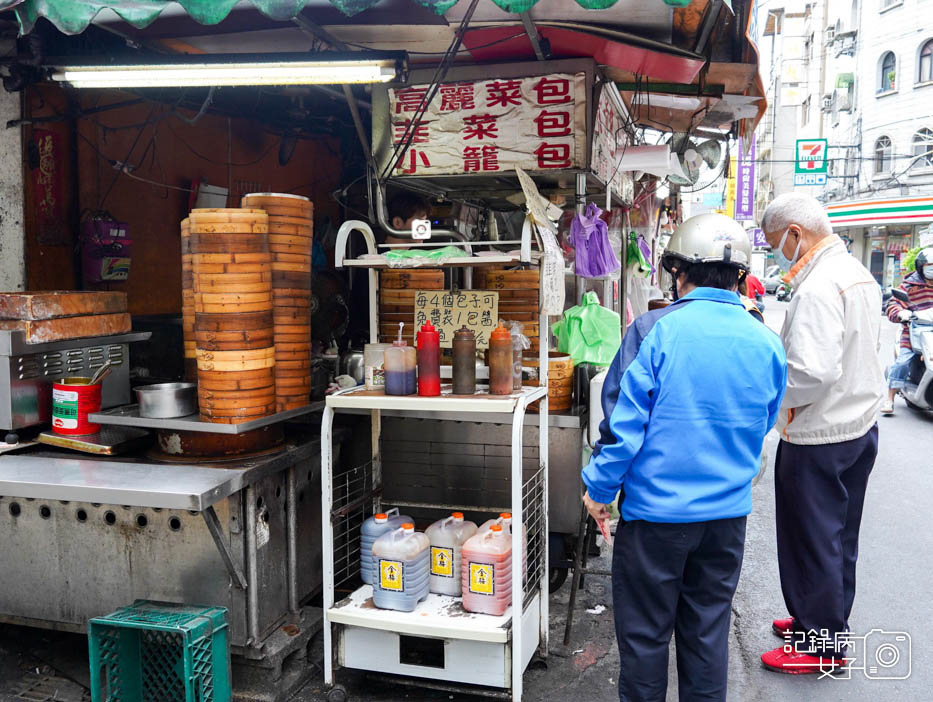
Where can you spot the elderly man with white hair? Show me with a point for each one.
(829, 431)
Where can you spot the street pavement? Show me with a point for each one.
(894, 595)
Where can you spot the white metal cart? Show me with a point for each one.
(439, 642)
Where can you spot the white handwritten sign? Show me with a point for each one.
(448, 311)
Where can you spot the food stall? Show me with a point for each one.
(263, 516)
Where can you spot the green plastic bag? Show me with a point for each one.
(590, 333)
(433, 255)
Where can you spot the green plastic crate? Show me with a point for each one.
(160, 652)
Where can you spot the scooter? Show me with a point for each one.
(784, 292)
(918, 390)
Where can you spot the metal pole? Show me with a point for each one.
(252, 570)
(327, 536)
(580, 207)
(518, 555)
(291, 528)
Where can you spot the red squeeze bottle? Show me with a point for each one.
(429, 361)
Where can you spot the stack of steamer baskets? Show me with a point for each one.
(291, 232)
(233, 325)
(187, 304)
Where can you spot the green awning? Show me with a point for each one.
(73, 16)
(845, 80)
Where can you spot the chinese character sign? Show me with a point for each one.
(609, 143)
(745, 183)
(492, 126)
(448, 310)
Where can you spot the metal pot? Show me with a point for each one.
(167, 400)
(351, 363)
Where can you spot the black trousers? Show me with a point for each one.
(819, 493)
(680, 579)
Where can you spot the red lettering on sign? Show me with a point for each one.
(413, 156)
(480, 126)
(485, 158)
(458, 96)
(553, 91)
(504, 93)
(420, 130)
(553, 124)
(409, 99)
(553, 155)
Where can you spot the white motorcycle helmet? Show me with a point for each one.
(707, 238)
(924, 263)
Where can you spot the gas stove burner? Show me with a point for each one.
(188, 446)
(154, 454)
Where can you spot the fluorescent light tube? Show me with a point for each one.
(228, 74)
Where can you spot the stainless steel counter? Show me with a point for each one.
(58, 475)
(84, 535)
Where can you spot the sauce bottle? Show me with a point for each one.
(429, 361)
(500, 361)
(401, 569)
(447, 537)
(400, 367)
(464, 364)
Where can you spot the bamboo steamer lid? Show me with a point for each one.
(198, 228)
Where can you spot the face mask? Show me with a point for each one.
(928, 271)
(786, 263)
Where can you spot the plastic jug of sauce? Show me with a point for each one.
(400, 367)
(447, 537)
(486, 572)
(372, 529)
(401, 569)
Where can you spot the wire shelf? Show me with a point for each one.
(352, 504)
(533, 515)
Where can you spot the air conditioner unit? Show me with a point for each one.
(827, 103)
(830, 34)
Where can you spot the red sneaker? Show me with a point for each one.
(793, 663)
(783, 627)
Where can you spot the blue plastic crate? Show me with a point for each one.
(160, 652)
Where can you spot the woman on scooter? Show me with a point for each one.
(919, 288)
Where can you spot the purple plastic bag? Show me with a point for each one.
(589, 236)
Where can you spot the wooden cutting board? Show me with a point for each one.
(45, 330)
(59, 303)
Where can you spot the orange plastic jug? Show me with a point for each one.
(486, 572)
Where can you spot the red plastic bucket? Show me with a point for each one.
(72, 400)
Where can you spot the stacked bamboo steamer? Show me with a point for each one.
(233, 326)
(187, 304)
(518, 297)
(291, 232)
(397, 300)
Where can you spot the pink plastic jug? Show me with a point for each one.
(486, 573)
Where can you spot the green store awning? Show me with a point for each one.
(73, 16)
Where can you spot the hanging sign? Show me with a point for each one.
(448, 310)
(811, 165)
(48, 183)
(745, 183)
(609, 143)
(492, 126)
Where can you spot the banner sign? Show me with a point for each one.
(491, 126)
(745, 184)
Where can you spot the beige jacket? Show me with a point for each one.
(835, 382)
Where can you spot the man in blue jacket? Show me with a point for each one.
(688, 401)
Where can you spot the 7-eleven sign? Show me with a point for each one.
(811, 156)
(811, 165)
